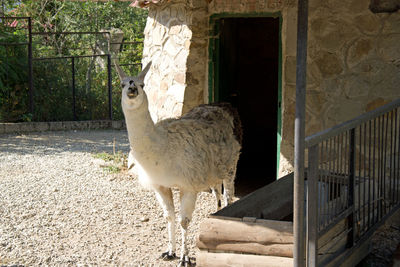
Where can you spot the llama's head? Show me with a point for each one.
(133, 94)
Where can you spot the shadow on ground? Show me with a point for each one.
(65, 141)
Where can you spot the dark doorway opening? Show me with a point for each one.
(247, 76)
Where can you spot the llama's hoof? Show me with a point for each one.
(186, 262)
(167, 256)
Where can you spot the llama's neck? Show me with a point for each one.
(144, 139)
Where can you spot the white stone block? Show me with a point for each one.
(177, 91)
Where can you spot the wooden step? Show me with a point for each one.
(272, 202)
(257, 236)
(207, 259)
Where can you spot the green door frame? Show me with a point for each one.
(214, 65)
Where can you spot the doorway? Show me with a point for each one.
(247, 74)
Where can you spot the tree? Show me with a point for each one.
(13, 73)
(50, 18)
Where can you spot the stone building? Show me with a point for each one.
(244, 52)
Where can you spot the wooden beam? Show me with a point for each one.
(260, 237)
(265, 203)
(206, 259)
(278, 250)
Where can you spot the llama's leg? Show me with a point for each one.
(188, 201)
(229, 191)
(216, 191)
(164, 197)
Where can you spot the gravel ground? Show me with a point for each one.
(385, 241)
(59, 207)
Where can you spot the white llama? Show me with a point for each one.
(194, 153)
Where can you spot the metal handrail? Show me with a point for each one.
(5, 17)
(325, 134)
(29, 43)
(67, 57)
(353, 174)
(68, 33)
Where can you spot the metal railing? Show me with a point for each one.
(28, 44)
(70, 68)
(73, 80)
(353, 181)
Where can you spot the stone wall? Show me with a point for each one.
(24, 127)
(380, 6)
(176, 80)
(167, 44)
(176, 39)
(353, 64)
(197, 63)
(353, 59)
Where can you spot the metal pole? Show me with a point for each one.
(298, 190)
(352, 181)
(30, 68)
(73, 88)
(109, 87)
(312, 206)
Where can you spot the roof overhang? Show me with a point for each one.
(376, 6)
(146, 3)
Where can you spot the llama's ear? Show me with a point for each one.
(144, 71)
(120, 72)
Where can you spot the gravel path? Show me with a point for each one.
(58, 207)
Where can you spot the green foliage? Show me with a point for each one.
(13, 77)
(104, 156)
(53, 77)
(53, 95)
(111, 169)
(27, 117)
(114, 163)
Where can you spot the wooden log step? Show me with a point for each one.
(280, 250)
(265, 237)
(208, 259)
